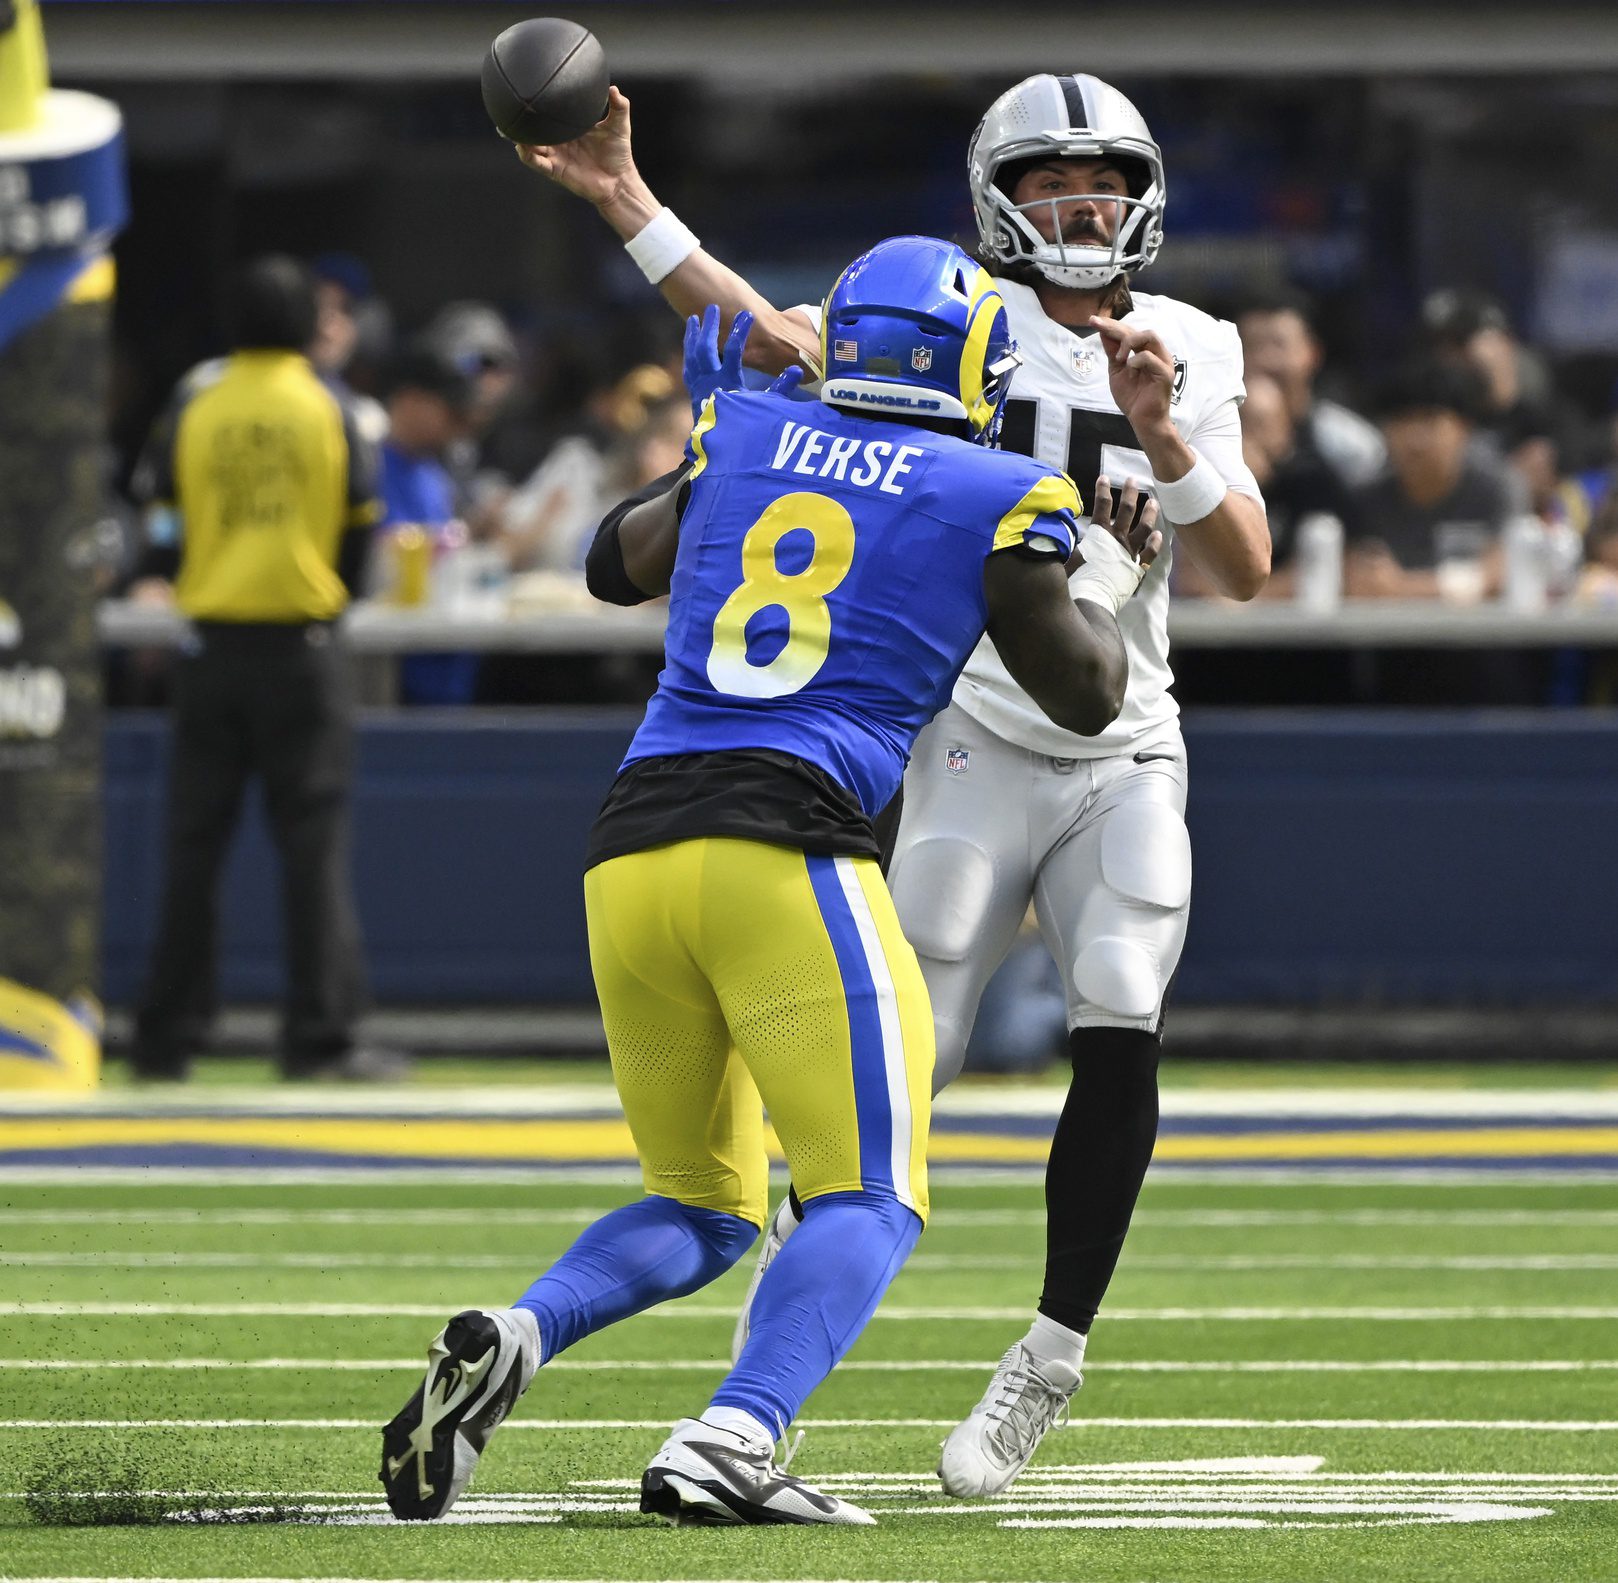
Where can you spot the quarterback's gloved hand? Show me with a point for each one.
(706, 370)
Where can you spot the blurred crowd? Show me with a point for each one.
(1467, 476)
(1460, 474)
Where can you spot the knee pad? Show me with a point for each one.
(1119, 976)
(942, 887)
(1146, 871)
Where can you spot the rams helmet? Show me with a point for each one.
(915, 328)
(1074, 117)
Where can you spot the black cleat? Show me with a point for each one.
(477, 1367)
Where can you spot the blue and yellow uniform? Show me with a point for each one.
(827, 590)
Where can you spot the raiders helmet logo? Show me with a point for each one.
(1181, 370)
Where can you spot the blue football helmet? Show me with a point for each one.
(915, 328)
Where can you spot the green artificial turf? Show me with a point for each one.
(1250, 1273)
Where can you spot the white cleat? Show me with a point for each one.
(781, 1226)
(707, 1477)
(992, 1446)
(477, 1367)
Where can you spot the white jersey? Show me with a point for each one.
(1061, 412)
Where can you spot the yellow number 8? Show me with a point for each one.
(801, 594)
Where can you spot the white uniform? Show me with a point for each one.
(1003, 807)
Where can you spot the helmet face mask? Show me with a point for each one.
(1056, 118)
(915, 329)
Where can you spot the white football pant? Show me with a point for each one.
(1099, 846)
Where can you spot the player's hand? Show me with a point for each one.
(595, 166)
(707, 370)
(1140, 372)
(1130, 517)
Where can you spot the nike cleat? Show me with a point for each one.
(993, 1445)
(781, 1226)
(707, 1477)
(477, 1367)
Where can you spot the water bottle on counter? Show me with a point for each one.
(1564, 555)
(1318, 585)
(1522, 543)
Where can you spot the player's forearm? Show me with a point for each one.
(778, 339)
(1231, 543)
(1074, 667)
(1231, 546)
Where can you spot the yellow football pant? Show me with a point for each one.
(731, 972)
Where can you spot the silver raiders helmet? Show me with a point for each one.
(1073, 117)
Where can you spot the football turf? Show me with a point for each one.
(1297, 1379)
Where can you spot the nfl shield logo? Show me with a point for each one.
(955, 760)
(1084, 359)
(921, 359)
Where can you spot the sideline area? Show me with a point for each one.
(505, 1114)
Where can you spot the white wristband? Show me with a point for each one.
(1109, 574)
(1193, 497)
(661, 245)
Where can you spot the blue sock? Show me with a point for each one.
(639, 1255)
(815, 1299)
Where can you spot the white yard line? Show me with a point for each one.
(338, 1260)
(856, 1365)
(1530, 1425)
(895, 1313)
(297, 1217)
(945, 1219)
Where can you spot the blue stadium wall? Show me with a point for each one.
(1360, 858)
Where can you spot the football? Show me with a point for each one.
(545, 81)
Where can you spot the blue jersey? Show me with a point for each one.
(828, 585)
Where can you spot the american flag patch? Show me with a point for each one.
(846, 351)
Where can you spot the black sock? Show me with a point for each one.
(795, 1202)
(1098, 1160)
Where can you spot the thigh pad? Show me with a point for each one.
(942, 888)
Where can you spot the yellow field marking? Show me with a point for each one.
(592, 1139)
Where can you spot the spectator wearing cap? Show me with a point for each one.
(1471, 329)
(476, 338)
(1439, 500)
(352, 331)
(1279, 340)
(427, 400)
